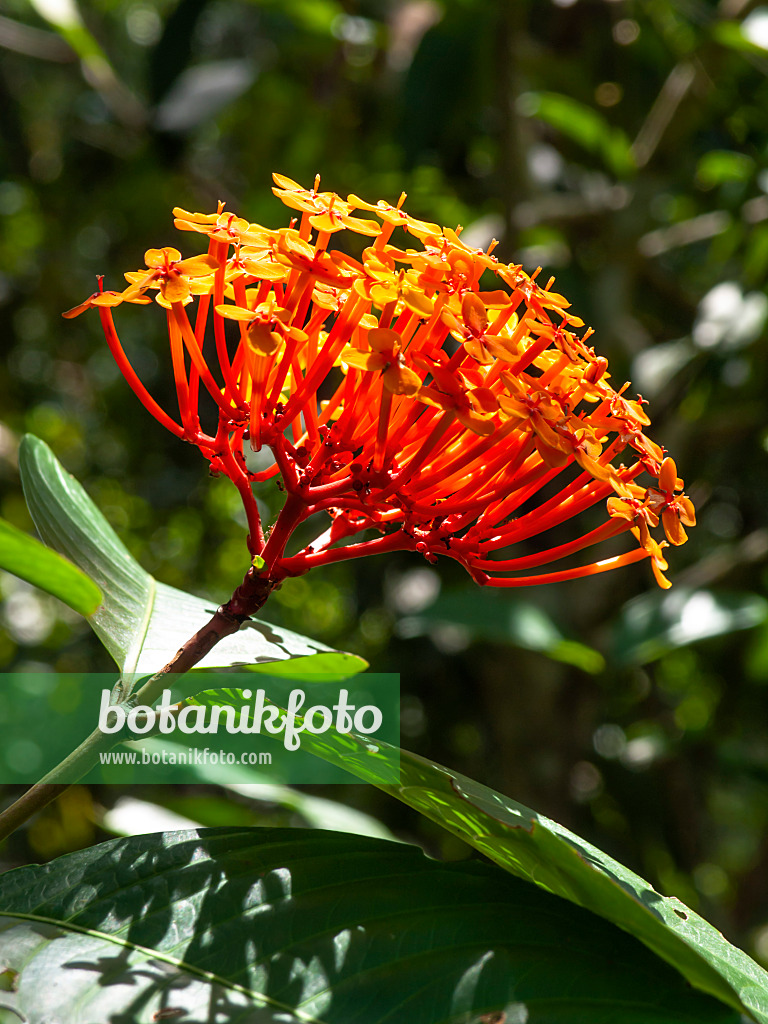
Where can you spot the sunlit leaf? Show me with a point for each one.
(543, 852)
(308, 927)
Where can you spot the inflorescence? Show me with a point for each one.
(420, 408)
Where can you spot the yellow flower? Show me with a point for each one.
(385, 357)
(170, 273)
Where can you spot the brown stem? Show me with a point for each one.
(34, 800)
(245, 602)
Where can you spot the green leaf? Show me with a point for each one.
(741, 37)
(583, 125)
(539, 850)
(721, 165)
(305, 927)
(652, 624)
(142, 622)
(27, 558)
(492, 616)
(66, 19)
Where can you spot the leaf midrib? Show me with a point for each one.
(209, 976)
(139, 637)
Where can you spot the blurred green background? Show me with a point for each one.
(621, 145)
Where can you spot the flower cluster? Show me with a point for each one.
(425, 396)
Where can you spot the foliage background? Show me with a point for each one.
(622, 145)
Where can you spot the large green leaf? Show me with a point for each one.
(142, 622)
(539, 850)
(27, 558)
(535, 848)
(290, 926)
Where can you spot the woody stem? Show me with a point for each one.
(249, 597)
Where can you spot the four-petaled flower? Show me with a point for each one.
(167, 271)
(385, 356)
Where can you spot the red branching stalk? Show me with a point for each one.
(459, 421)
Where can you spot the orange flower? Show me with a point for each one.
(447, 413)
(385, 356)
(170, 273)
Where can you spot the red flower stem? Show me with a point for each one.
(612, 528)
(297, 375)
(503, 317)
(327, 357)
(230, 384)
(358, 393)
(179, 373)
(531, 480)
(532, 474)
(241, 296)
(328, 491)
(300, 291)
(108, 326)
(464, 485)
(201, 320)
(531, 353)
(384, 235)
(224, 403)
(333, 403)
(264, 474)
(238, 362)
(544, 380)
(542, 519)
(385, 320)
(563, 506)
(309, 412)
(239, 477)
(397, 541)
(280, 375)
(350, 502)
(406, 417)
(302, 313)
(576, 497)
(444, 475)
(257, 367)
(381, 433)
(434, 438)
(286, 466)
(427, 340)
(290, 516)
(404, 445)
(593, 569)
(323, 237)
(468, 509)
(351, 394)
(321, 456)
